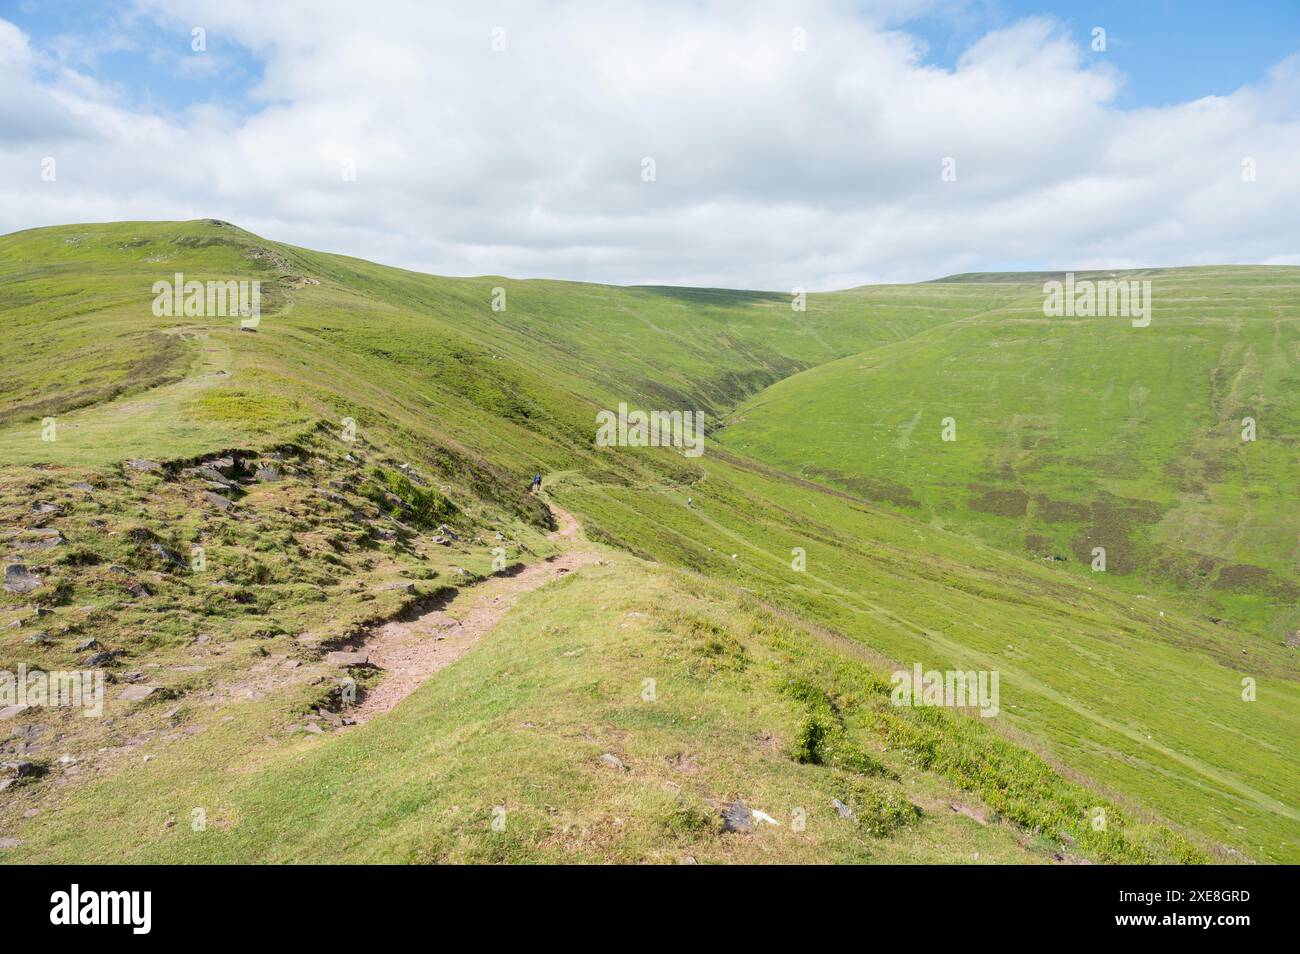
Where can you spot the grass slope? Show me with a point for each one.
(1130, 710)
(1079, 433)
(517, 731)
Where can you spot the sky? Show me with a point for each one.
(768, 145)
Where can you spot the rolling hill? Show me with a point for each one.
(361, 457)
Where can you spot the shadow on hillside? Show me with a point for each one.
(718, 297)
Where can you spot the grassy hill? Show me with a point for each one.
(1074, 433)
(771, 681)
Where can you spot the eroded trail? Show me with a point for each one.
(411, 652)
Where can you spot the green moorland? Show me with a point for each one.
(1077, 433)
(375, 434)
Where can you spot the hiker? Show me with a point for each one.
(536, 486)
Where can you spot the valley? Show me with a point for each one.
(354, 473)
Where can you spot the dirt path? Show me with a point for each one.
(411, 652)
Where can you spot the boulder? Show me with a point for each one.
(145, 466)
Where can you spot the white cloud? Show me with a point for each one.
(774, 168)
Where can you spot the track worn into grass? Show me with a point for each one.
(410, 652)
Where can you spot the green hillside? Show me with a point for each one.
(1075, 433)
(377, 431)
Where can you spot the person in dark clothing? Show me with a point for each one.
(537, 483)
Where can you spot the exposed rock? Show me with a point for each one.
(8, 712)
(267, 474)
(841, 809)
(18, 579)
(106, 658)
(145, 466)
(167, 554)
(44, 506)
(84, 487)
(216, 500)
(413, 475)
(87, 644)
(613, 761)
(40, 540)
(137, 693)
(347, 658)
(39, 638)
(208, 474)
(138, 589)
(737, 817)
